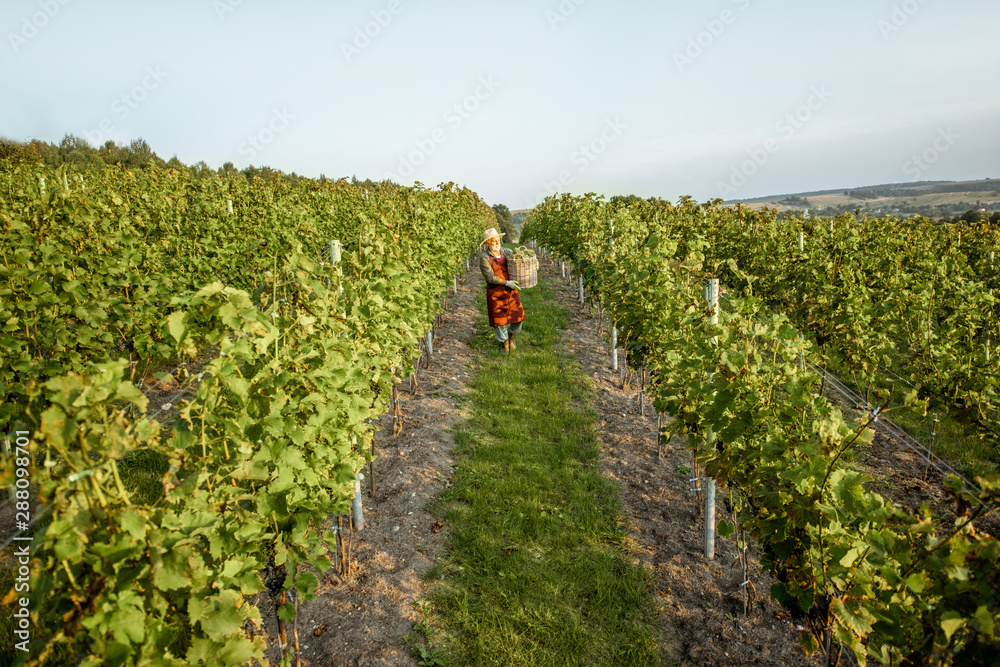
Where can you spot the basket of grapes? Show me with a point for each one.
(523, 267)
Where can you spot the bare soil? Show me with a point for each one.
(368, 617)
(700, 602)
(899, 473)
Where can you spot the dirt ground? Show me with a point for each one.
(900, 474)
(700, 602)
(369, 616)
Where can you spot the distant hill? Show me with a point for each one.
(933, 199)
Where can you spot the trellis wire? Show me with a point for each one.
(912, 443)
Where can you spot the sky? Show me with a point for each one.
(518, 100)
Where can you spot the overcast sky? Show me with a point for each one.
(519, 99)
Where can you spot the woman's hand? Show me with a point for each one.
(513, 285)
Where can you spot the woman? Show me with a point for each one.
(503, 304)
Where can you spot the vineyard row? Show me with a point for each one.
(901, 587)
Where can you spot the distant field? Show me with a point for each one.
(930, 198)
(987, 197)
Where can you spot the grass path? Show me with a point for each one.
(537, 571)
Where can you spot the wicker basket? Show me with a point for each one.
(523, 271)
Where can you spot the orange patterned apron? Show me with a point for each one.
(503, 306)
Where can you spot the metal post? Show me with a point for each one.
(709, 518)
(229, 206)
(581, 290)
(335, 247)
(802, 355)
(358, 516)
(614, 347)
(802, 242)
(712, 293)
(562, 268)
(430, 344)
(988, 340)
(456, 284)
(11, 492)
(930, 446)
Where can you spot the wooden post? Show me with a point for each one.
(802, 242)
(229, 206)
(282, 632)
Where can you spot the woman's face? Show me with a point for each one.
(493, 244)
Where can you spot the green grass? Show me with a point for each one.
(538, 570)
